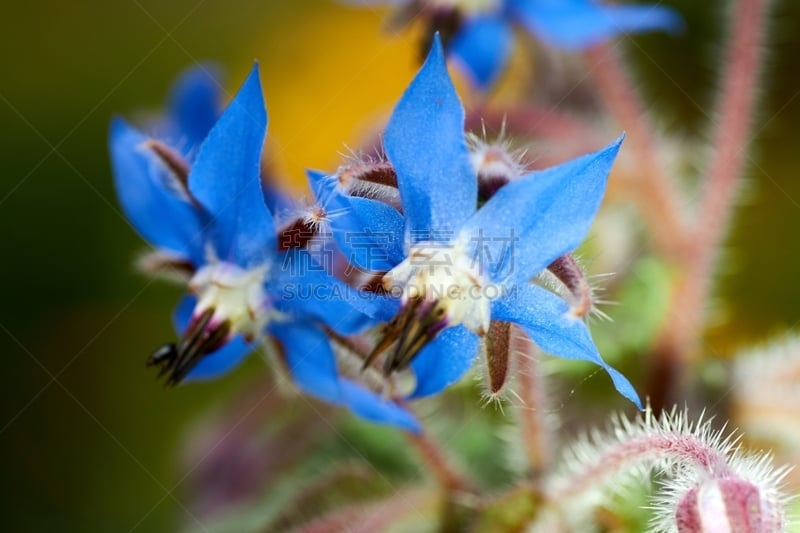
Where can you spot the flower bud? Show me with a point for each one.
(727, 505)
(495, 166)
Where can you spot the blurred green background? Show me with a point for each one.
(89, 440)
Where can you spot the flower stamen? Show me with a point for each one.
(440, 288)
(201, 338)
(230, 301)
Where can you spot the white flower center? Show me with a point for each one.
(234, 294)
(444, 274)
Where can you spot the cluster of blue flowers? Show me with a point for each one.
(405, 260)
(480, 32)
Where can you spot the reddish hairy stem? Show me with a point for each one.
(373, 516)
(657, 195)
(682, 329)
(631, 452)
(533, 423)
(725, 170)
(437, 462)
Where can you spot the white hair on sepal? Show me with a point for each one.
(495, 161)
(162, 265)
(583, 297)
(368, 176)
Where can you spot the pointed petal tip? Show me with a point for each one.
(612, 149)
(118, 127)
(437, 187)
(436, 57)
(319, 184)
(624, 386)
(243, 226)
(414, 427)
(123, 138)
(204, 75)
(617, 143)
(375, 408)
(437, 49)
(671, 21)
(117, 121)
(636, 401)
(315, 175)
(252, 91)
(546, 320)
(644, 18)
(481, 49)
(579, 25)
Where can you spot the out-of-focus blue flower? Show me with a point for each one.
(195, 104)
(151, 171)
(216, 218)
(462, 267)
(482, 38)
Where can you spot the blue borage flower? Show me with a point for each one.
(216, 220)
(457, 267)
(480, 31)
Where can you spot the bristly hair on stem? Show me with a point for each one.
(677, 343)
(684, 456)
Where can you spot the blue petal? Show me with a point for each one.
(539, 217)
(444, 360)
(226, 179)
(322, 185)
(368, 232)
(579, 24)
(425, 142)
(195, 103)
(386, 226)
(156, 210)
(309, 359)
(303, 288)
(546, 319)
(373, 407)
(216, 363)
(482, 48)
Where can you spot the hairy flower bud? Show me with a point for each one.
(727, 505)
(495, 166)
(708, 482)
